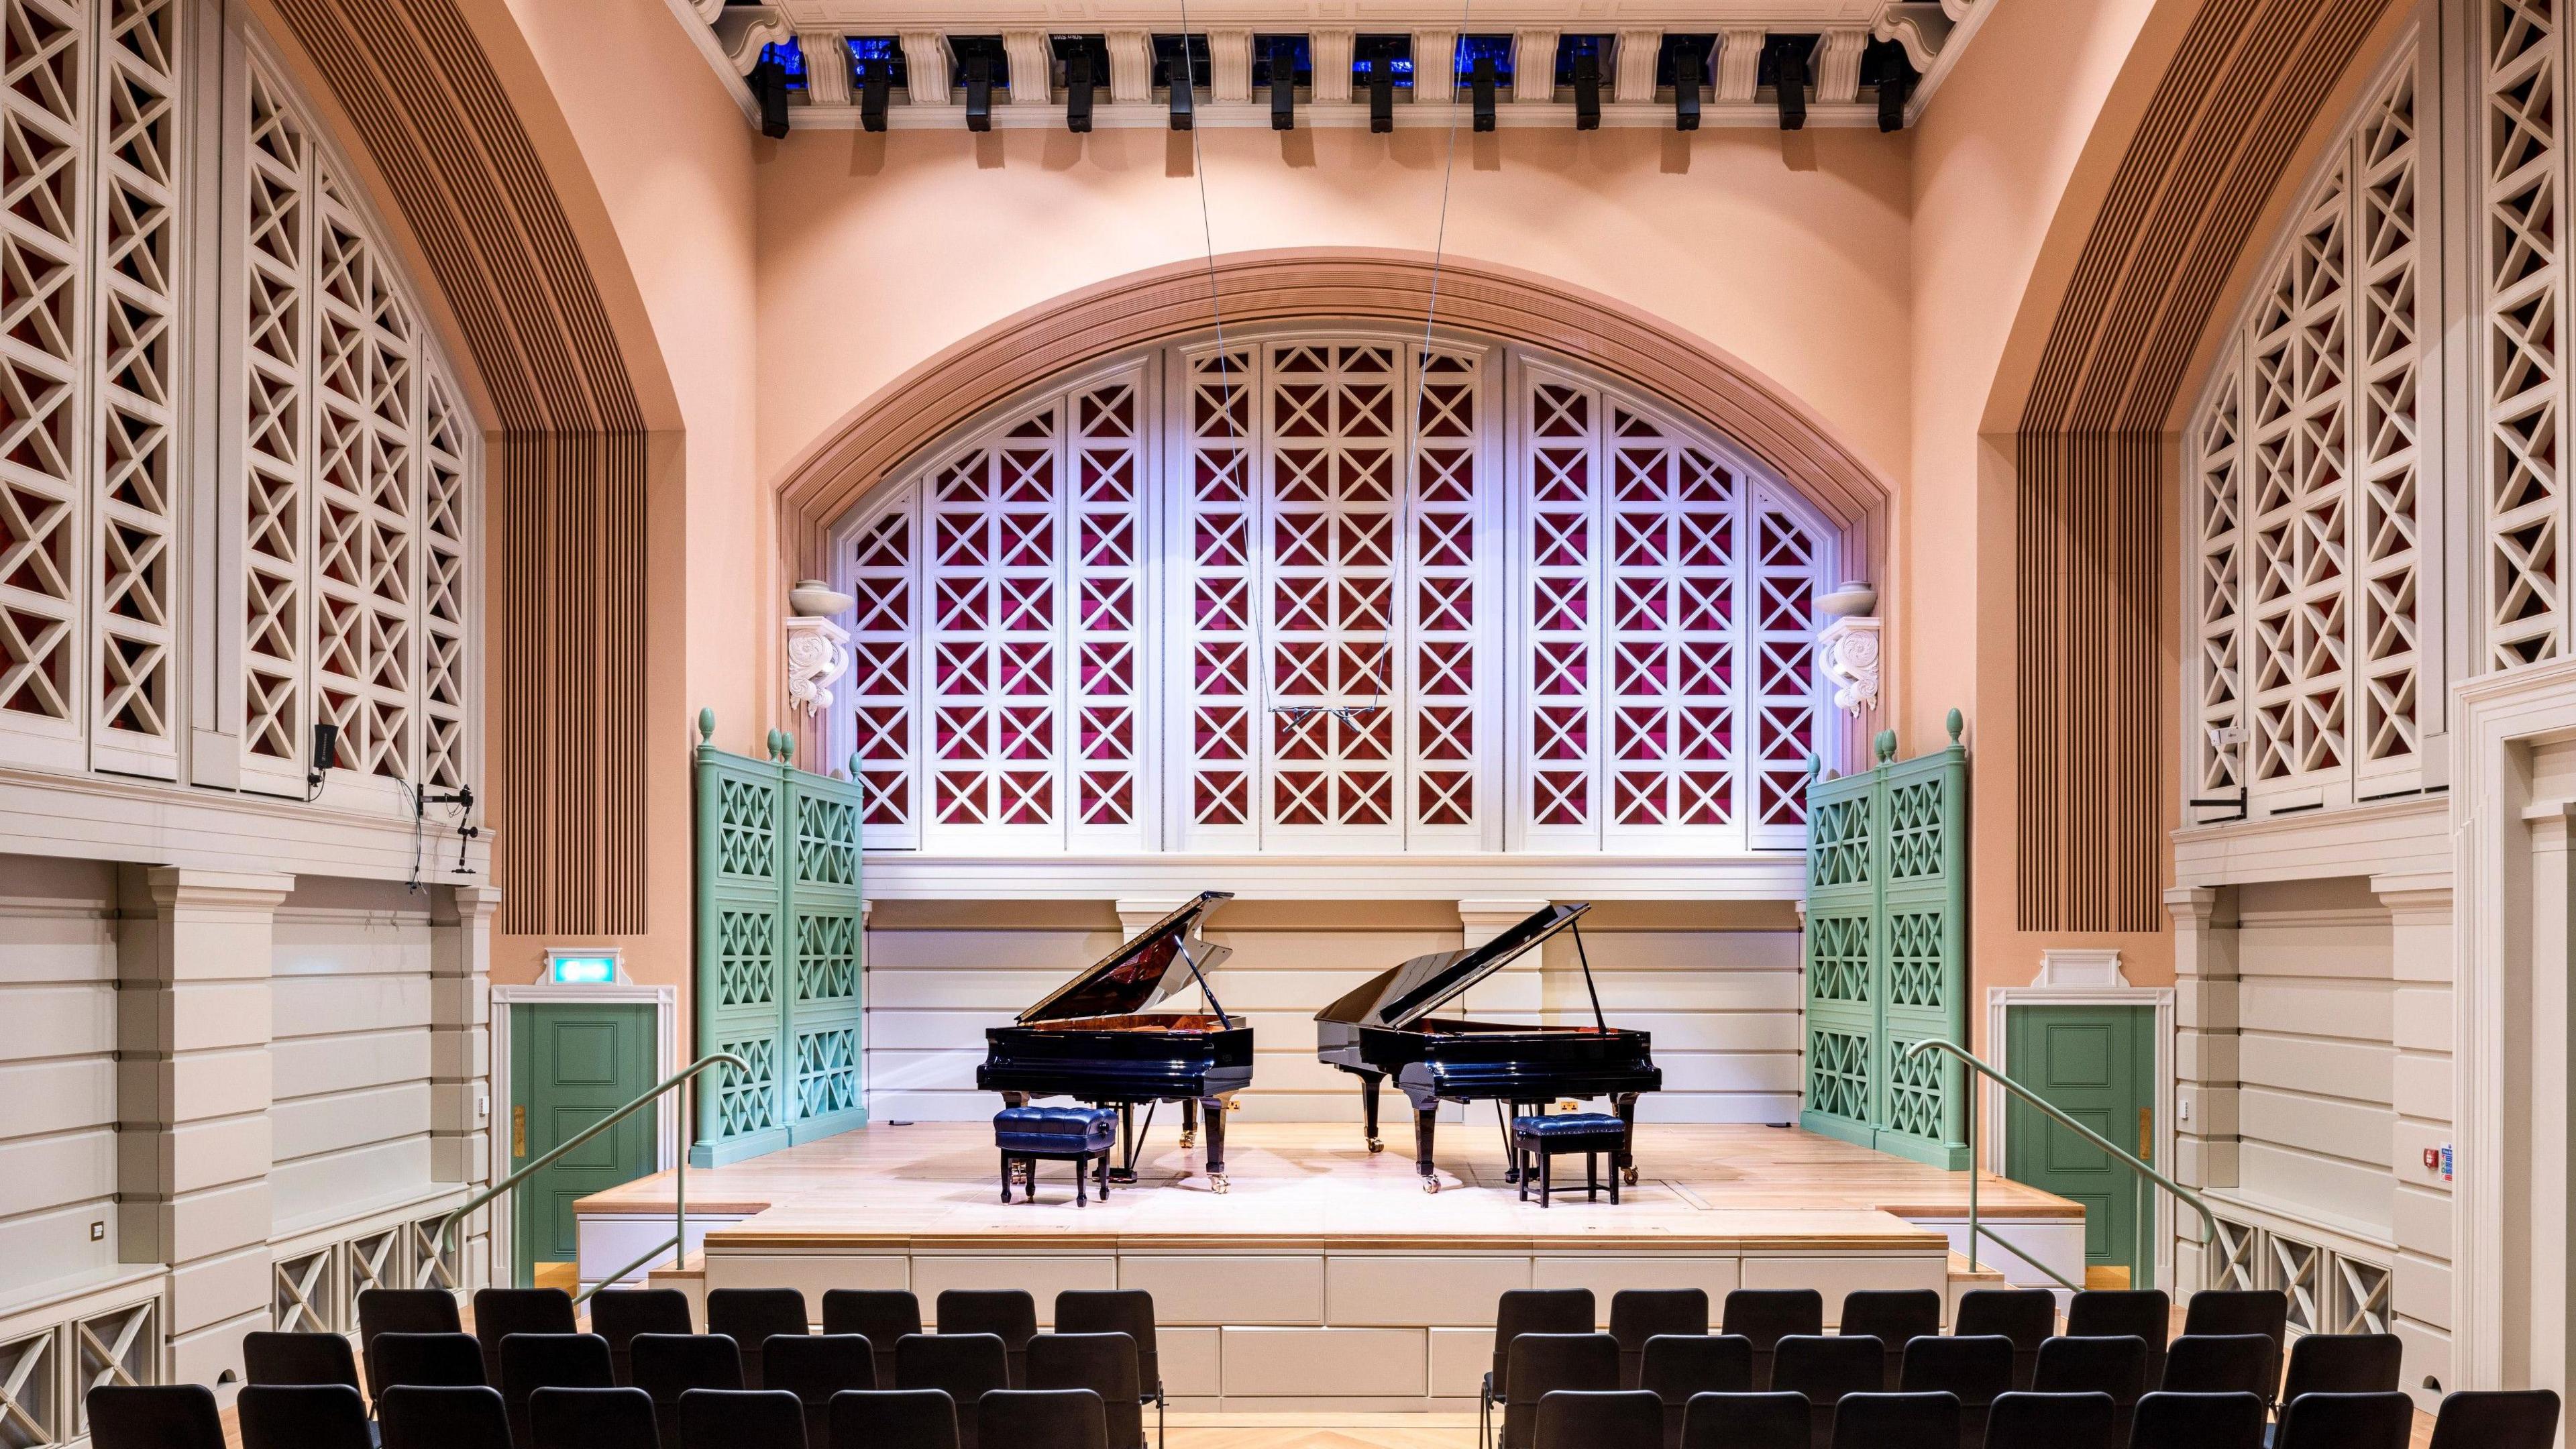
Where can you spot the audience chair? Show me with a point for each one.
(1042, 1419)
(533, 1361)
(1893, 1316)
(600, 1418)
(618, 1314)
(967, 1365)
(1827, 1370)
(1679, 1366)
(2221, 1363)
(2346, 1421)
(1638, 1314)
(2491, 1419)
(814, 1367)
(1008, 1314)
(1120, 1310)
(289, 1360)
(752, 1317)
(2342, 1363)
(744, 1419)
(439, 1416)
(2023, 1420)
(883, 1316)
(2145, 1314)
(1541, 1364)
(1767, 1315)
(154, 1416)
(1747, 1421)
(1104, 1363)
(894, 1419)
(303, 1416)
(425, 1361)
(2027, 1316)
(2113, 1366)
(1976, 1370)
(1594, 1419)
(402, 1310)
(1876, 1419)
(2197, 1421)
(500, 1312)
(668, 1365)
(1527, 1310)
(2239, 1310)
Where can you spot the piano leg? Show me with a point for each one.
(1369, 1083)
(1189, 1122)
(1625, 1164)
(1127, 1130)
(1216, 1142)
(1426, 1120)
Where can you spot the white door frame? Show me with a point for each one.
(665, 1001)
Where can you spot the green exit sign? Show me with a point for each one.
(581, 970)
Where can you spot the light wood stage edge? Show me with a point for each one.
(1326, 1279)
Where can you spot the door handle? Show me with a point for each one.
(518, 1131)
(2147, 1135)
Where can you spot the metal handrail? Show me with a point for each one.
(2047, 1109)
(679, 1244)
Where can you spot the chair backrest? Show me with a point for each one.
(894, 1419)
(618, 1314)
(2114, 1366)
(967, 1365)
(1600, 1419)
(668, 1365)
(402, 1310)
(2025, 1420)
(1826, 1369)
(289, 1359)
(303, 1416)
(1638, 1314)
(2027, 1316)
(1764, 1316)
(2343, 1363)
(1874, 1419)
(2145, 1314)
(2221, 1363)
(600, 1418)
(1042, 1419)
(500, 1312)
(814, 1367)
(1977, 1368)
(1104, 1363)
(425, 1360)
(744, 1419)
(2238, 1310)
(1747, 1421)
(752, 1317)
(1116, 1310)
(2496, 1419)
(2198, 1421)
(1678, 1366)
(1536, 1310)
(1008, 1314)
(440, 1416)
(533, 1361)
(1543, 1363)
(2346, 1421)
(1893, 1316)
(882, 1315)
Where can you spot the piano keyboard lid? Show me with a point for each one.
(1133, 977)
(1415, 989)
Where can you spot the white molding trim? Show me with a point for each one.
(907, 875)
(2000, 1000)
(665, 1001)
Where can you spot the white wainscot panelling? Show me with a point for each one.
(350, 1054)
(57, 1072)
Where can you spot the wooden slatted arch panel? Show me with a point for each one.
(567, 523)
(2232, 107)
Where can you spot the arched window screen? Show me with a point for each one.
(1334, 593)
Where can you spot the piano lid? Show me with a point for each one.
(1131, 978)
(1415, 989)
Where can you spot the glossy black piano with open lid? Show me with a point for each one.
(1386, 1029)
(1096, 1041)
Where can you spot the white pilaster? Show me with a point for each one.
(1032, 59)
(1739, 62)
(1534, 66)
(1633, 77)
(1435, 66)
(1480, 921)
(1328, 53)
(925, 65)
(2205, 1055)
(1131, 67)
(1229, 65)
(827, 67)
(1837, 63)
(2420, 946)
(1135, 913)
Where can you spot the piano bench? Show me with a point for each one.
(1536, 1141)
(1079, 1135)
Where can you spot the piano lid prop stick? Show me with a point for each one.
(1222, 1020)
(1589, 989)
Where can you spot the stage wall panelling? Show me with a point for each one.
(1722, 1006)
(57, 1070)
(349, 1057)
(2317, 1055)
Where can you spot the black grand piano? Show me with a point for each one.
(1094, 1040)
(1386, 1029)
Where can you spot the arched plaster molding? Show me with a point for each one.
(1245, 288)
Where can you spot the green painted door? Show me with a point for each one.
(2097, 1064)
(571, 1064)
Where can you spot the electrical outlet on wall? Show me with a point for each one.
(483, 1108)
(98, 1231)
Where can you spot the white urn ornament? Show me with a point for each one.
(815, 599)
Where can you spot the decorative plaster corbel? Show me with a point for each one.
(1957, 10)
(925, 64)
(744, 30)
(1849, 651)
(1230, 65)
(1533, 66)
(827, 69)
(1030, 54)
(1328, 54)
(1435, 67)
(818, 654)
(1633, 77)
(1921, 27)
(1131, 67)
(708, 10)
(1739, 62)
(1838, 66)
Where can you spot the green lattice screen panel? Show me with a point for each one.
(1887, 954)
(780, 963)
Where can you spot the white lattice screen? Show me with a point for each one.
(2521, 180)
(1272, 616)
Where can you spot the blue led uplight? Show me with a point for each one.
(790, 60)
(1496, 48)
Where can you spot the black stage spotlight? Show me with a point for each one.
(1885, 66)
(1481, 88)
(979, 94)
(1184, 107)
(1784, 68)
(769, 87)
(1179, 62)
(1283, 83)
(876, 68)
(1381, 96)
(1688, 55)
(1587, 90)
(1077, 92)
(875, 86)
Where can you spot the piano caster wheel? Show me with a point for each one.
(1631, 1176)
(1430, 1184)
(1189, 1140)
(1217, 1185)
(1375, 1147)
(1512, 1175)
(1122, 1175)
